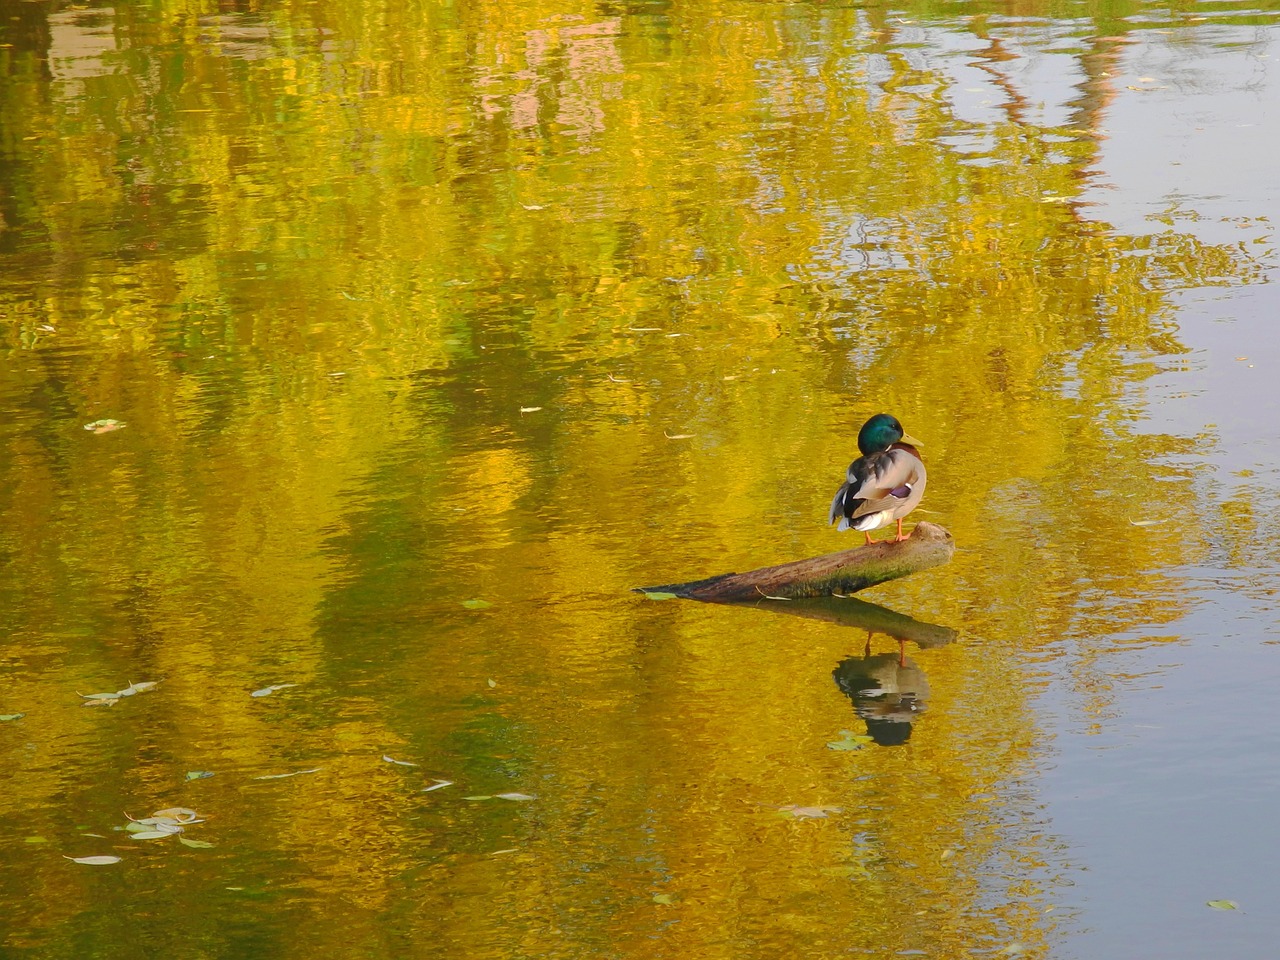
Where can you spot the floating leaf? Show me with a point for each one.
(4, 717)
(515, 796)
(477, 604)
(34, 840)
(199, 844)
(495, 853)
(664, 898)
(492, 683)
(530, 409)
(479, 797)
(199, 774)
(659, 595)
(850, 741)
(438, 785)
(677, 436)
(134, 827)
(268, 691)
(99, 702)
(104, 426)
(806, 813)
(1223, 904)
(100, 696)
(133, 688)
(93, 861)
(400, 763)
(152, 834)
(281, 776)
(180, 814)
(1146, 523)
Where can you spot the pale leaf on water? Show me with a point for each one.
(677, 436)
(807, 813)
(100, 696)
(199, 844)
(97, 702)
(180, 814)
(198, 774)
(282, 776)
(477, 604)
(438, 785)
(664, 898)
(1146, 523)
(492, 683)
(268, 691)
(1223, 904)
(5, 717)
(152, 834)
(104, 426)
(484, 796)
(93, 861)
(399, 763)
(515, 796)
(530, 409)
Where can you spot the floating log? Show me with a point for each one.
(831, 574)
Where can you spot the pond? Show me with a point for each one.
(358, 360)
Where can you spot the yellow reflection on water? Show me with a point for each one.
(410, 307)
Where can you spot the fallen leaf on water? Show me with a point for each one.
(495, 853)
(199, 774)
(281, 776)
(102, 703)
(1223, 904)
(399, 763)
(93, 861)
(152, 834)
(477, 604)
(11, 716)
(1146, 523)
(677, 436)
(806, 813)
(181, 814)
(664, 898)
(133, 688)
(515, 796)
(438, 785)
(530, 409)
(850, 741)
(484, 796)
(104, 426)
(768, 597)
(199, 844)
(99, 696)
(268, 691)
(492, 683)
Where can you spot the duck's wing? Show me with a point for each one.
(883, 481)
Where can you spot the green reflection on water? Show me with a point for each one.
(401, 307)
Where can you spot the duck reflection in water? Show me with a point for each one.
(888, 693)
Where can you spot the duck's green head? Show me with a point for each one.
(880, 433)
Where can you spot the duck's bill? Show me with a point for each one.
(907, 438)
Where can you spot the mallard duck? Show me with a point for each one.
(885, 483)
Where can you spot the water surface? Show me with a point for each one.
(426, 332)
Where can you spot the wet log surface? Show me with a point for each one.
(829, 575)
